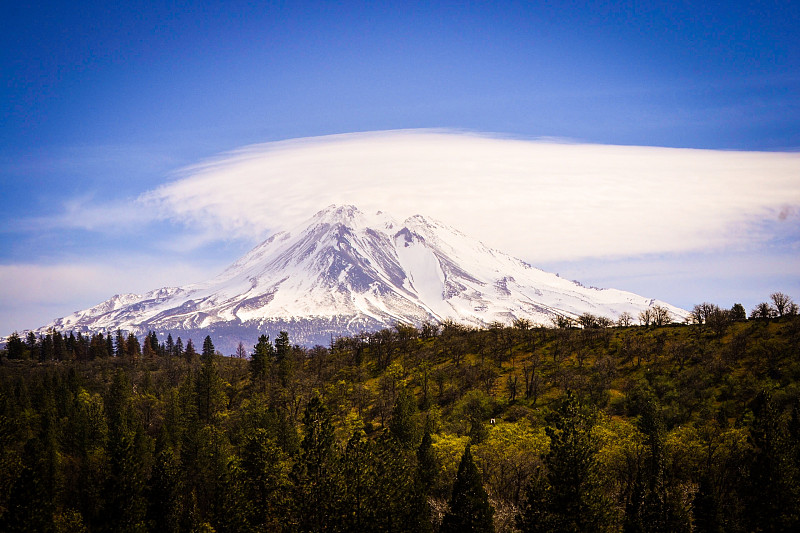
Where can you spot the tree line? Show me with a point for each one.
(438, 428)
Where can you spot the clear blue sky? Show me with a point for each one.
(103, 101)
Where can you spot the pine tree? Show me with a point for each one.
(169, 347)
(266, 479)
(770, 494)
(283, 358)
(128, 452)
(208, 349)
(190, 354)
(120, 346)
(423, 483)
(315, 476)
(403, 425)
(210, 393)
(470, 509)
(261, 359)
(164, 491)
(32, 346)
(132, 347)
(31, 502)
(109, 345)
(15, 346)
(568, 497)
(178, 348)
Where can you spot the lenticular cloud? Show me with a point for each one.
(539, 200)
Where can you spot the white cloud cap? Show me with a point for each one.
(539, 200)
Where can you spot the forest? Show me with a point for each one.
(586, 425)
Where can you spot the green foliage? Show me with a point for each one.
(665, 429)
(470, 509)
(403, 424)
(568, 495)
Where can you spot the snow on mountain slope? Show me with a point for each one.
(344, 271)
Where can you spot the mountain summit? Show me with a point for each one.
(343, 272)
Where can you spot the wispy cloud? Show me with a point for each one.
(541, 200)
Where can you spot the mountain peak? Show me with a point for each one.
(344, 271)
(338, 213)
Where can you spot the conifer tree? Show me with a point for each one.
(208, 349)
(31, 502)
(15, 346)
(120, 346)
(470, 509)
(210, 393)
(771, 495)
(32, 346)
(127, 451)
(169, 346)
(283, 358)
(132, 347)
(164, 490)
(423, 482)
(568, 496)
(178, 348)
(315, 476)
(190, 354)
(109, 345)
(266, 479)
(261, 358)
(403, 425)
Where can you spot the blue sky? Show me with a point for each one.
(102, 104)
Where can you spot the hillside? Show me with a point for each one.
(699, 421)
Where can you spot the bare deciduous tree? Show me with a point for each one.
(661, 316)
(625, 319)
(781, 302)
(241, 351)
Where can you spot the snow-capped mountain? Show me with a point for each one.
(343, 272)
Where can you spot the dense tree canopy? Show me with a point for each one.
(512, 428)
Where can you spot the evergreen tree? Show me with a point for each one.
(568, 497)
(208, 349)
(109, 345)
(190, 354)
(120, 346)
(654, 505)
(60, 347)
(169, 347)
(266, 479)
(128, 453)
(15, 346)
(427, 465)
(315, 476)
(81, 348)
(261, 359)
(178, 348)
(403, 424)
(771, 495)
(427, 468)
(209, 385)
(164, 491)
(283, 358)
(32, 346)
(32, 496)
(47, 351)
(470, 509)
(132, 347)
